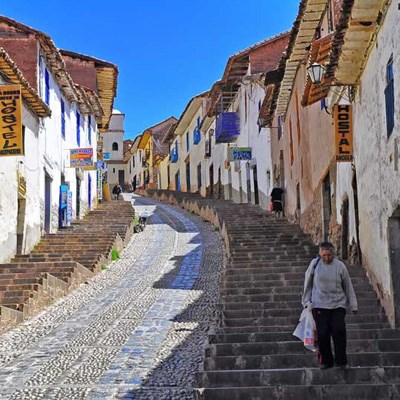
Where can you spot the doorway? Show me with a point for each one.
(177, 181)
(78, 197)
(248, 183)
(47, 202)
(326, 206)
(356, 215)
(89, 192)
(20, 224)
(230, 191)
(188, 176)
(121, 177)
(345, 230)
(281, 170)
(220, 191)
(255, 183)
(211, 171)
(199, 182)
(394, 257)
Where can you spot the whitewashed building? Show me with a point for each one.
(20, 176)
(66, 139)
(240, 161)
(376, 132)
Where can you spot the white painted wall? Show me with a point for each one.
(30, 166)
(375, 153)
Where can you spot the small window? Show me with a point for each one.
(90, 129)
(187, 141)
(115, 146)
(46, 86)
(78, 128)
(389, 97)
(62, 119)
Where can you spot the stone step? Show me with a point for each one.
(364, 391)
(296, 347)
(288, 336)
(289, 312)
(274, 305)
(276, 321)
(245, 269)
(292, 278)
(309, 360)
(275, 294)
(254, 329)
(299, 376)
(295, 283)
(10, 294)
(26, 286)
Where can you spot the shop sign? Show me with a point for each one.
(11, 137)
(239, 153)
(343, 132)
(81, 157)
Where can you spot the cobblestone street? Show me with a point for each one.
(136, 331)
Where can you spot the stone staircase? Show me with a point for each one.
(252, 355)
(62, 261)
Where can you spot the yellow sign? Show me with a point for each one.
(343, 115)
(11, 138)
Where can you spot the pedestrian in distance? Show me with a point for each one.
(117, 190)
(328, 291)
(276, 198)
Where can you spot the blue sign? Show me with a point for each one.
(69, 206)
(106, 156)
(239, 153)
(63, 196)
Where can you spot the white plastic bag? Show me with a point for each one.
(305, 329)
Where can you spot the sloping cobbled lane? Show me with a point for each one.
(135, 331)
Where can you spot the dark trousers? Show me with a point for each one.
(331, 323)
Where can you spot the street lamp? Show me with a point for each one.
(315, 72)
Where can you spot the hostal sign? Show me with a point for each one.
(11, 141)
(343, 132)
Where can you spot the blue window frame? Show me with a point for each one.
(78, 128)
(196, 136)
(187, 141)
(62, 119)
(46, 87)
(389, 97)
(90, 129)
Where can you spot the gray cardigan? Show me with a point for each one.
(329, 286)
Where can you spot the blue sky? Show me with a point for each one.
(166, 51)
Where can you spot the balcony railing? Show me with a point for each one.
(227, 127)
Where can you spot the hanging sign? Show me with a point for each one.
(239, 153)
(11, 137)
(343, 132)
(81, 157)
